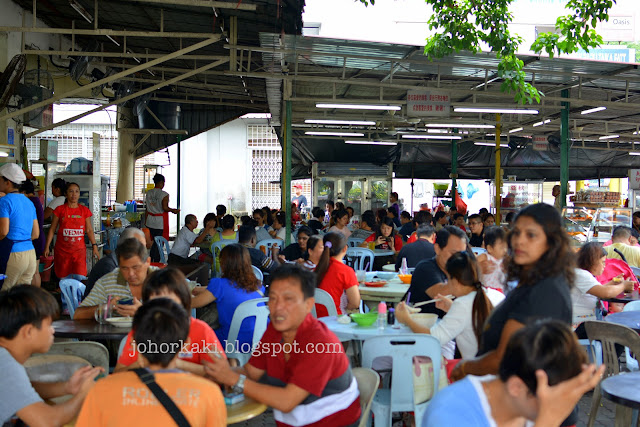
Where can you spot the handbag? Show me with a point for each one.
(149, 380)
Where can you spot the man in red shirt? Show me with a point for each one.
(299, 367)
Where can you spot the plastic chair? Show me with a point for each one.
(258, 273)
(360, 258)
(94, 353)
(49, 368)
(268, 243)
(72, 292)
(216, 247)
(322, 297)
(123, 341)
(252, 308)
(160, 242)
(478, 251)
(402, 349)
(632, 363)
(609, 334)
(368, 382)
(354, 242)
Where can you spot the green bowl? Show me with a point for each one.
(365, 319)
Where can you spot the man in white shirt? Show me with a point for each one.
(186, 238)
(157, 204)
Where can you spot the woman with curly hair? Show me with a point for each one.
(543, 264)
(237, 285)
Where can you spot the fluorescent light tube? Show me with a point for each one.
(460, 125)
(360, 106)
(609, 137)
(341, 122)
(334, 133)
(593, 110)
(544, 122)
(634, 153)
(490, 144)
(371, 142)
(516, 130)
(495, 110)
(431, 137)
(81, 10)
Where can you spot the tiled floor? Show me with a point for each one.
(605, 416)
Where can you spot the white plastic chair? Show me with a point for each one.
(268, 243)
(632, 363)
(368, 382)
(322, 297)
(360, 258)
(354, 242)
(402, 349)
(258, 273)
(162, 243)
(72, 291)
(93, 352)
(252, 308)
(478, 251)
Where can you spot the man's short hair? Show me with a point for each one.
(405, 215)
(425, 230)
(483, 211)
(130, 233)
(330, 203)
(208, 217)
(221, 210)
(621, 232)
(442, 237)
(303, 276)
(189, 218)
(258, 212)
(475, 217)
(457, 215)
(493, 234)
(392, 211)
(25, 305)
(422, 217)
(246, 233)
(130, 248)
(228, 222)
(170, 280)
(160, 328)
(549, 345)
(440, 214)
(369, 218)
(157, 178)
(317, 212)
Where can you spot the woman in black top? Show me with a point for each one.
(542, 262)
(296, 251)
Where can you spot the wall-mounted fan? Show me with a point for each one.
(10, 78)
(78, 66)
(37, 87)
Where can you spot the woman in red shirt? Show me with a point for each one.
(74, 220)
(386, 238)
(335, 277)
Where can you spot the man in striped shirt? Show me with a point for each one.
(125, 282)
(299, 367)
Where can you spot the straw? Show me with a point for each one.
(430, 301)
(408, 296)
(106, 312)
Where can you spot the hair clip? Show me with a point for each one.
(328, 245)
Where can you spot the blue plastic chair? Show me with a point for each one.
(360, 258)
(252, 308)
(72, 292)
(322, 297)
(268, 243)
(402, 349)
(258, 273)
(162, 243)
(632, 363)
(354, 242)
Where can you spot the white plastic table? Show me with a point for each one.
(352, 331)
(393, 291)
(382, 252)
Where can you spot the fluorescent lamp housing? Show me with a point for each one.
(340, 122)
(490, 144)
(460, 125)
(81, 10)
(372, 142)
(448, 137)
(516, 130)
(609, 137)
(360, 106)
(544, 122)
(495, 110)
(634, 153)
(593, 110)
(334, 133)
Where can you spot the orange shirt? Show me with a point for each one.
(339, 278)
(122, 399)
(202, 340)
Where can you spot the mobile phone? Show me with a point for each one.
(126, 301)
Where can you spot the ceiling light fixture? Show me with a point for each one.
(360, 106)
(634, 153)
(544, 122)
(340, 122)
(113, 40)
(81, 10)
(495, 110)
(460, 125)
(490, 144)
(4, 154)
(371, 142)
(516, 130)
(334, 133)
(609, 137)
(431, 137)
(593, 110)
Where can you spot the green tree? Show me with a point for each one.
(467, 24)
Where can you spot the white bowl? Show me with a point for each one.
(425, 319)
(120, 322)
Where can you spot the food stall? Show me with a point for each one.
(594, 224)
(515, 195)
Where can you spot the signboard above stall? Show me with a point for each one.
(428, 103)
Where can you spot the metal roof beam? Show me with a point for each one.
(106, 32)
(117, 76)
(202, 3)
(258, 107)
(153, 131)
(119, 55)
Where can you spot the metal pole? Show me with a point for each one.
(454, 170)
(179, 180)
(564, 149)
(286, 173)
(498, 179)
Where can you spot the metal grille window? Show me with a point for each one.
(76, 140)
(266, 166)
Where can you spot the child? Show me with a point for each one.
(492, 274)
(458, 221)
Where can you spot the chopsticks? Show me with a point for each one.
(430, 301)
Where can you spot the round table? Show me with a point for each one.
(88, 330)
(630, 319)
(622, 389)
(244, 410)
(624, 298)
(383, 252)
(352, 331)
(393, 291)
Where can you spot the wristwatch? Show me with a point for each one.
(239, 386)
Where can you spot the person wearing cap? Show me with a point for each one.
(300, 200)
(18, 228)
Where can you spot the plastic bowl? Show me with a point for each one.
(385, 275)
(424, 319)
(365, 319)
(406, 278)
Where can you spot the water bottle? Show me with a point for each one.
(404, 269)
(391, 317)
(382, 316)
